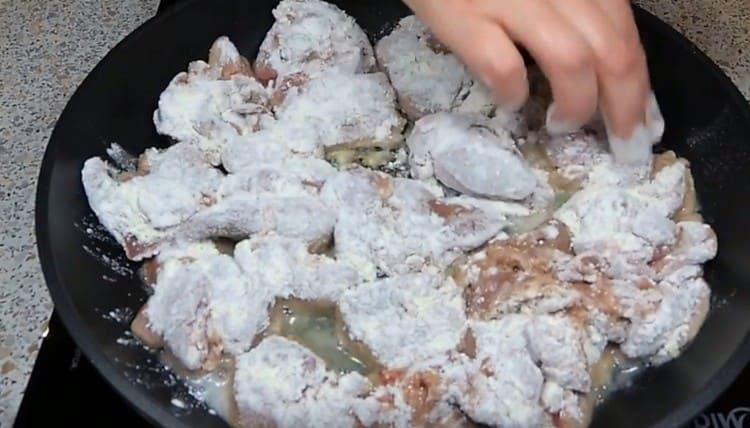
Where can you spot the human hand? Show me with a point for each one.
(589, 50)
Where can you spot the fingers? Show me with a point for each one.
(494, 59)
(618, 58)
(650, 123)
(482, 45)
(609, 28)
(621, 16)
(589, 50)
(561, 51)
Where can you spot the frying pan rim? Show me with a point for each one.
(158, 415)
(65, 308)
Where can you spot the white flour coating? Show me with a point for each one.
(696, 244)
(314, 37)
(426, 81)
(182, 198)
(287, 267)
(524, 364)
(557, 344)
(179, 314)
(280, 383)
(186, 251)
(468, 154)
(270, 198)
(213, 103)
(576, 154)
(423, 395)
(609, 215)
(400, 225)
(661, 335)
(140, 210)
(625, 230)
(242, 215)
(426, 394)
(351, 111)
(385, 406)
(407, 319)
(222, 53)
(505, 384)
(293, 177)
(275, 144)
(427, 78)
(205, 305)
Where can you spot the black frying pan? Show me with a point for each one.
(708, 122)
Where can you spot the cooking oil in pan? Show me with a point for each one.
(317, 325)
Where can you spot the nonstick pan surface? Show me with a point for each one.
(95, 289)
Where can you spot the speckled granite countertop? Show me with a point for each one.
(47, 48)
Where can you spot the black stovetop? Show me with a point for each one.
(66, 389)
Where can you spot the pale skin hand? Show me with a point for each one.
(588, 49)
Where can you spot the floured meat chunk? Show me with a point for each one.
(660, 334)
(204, 306)
(225, 59)
(242, 215)
(282, 199)
(313, 37)
(279, 143)
(530, 273)
(624, 233)
(214, 102)
(651, 318)
(505, 384)
(517, 361)
(575, 155)
(609, 216)
(426, 78)
(469, 154)
(401, 225)
(386, 406)
(293, 177)
(282, 384)
(185, 253)
(419, 397)
(406, 319)
(559, 344)
(347, 111)
(696, 244)
(141, 208)
(518, 275)
(287, 266)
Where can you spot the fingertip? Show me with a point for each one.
(556, 126)
(635, 148)
(510, 90)
(506, 75)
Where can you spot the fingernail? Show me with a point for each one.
(555, 126)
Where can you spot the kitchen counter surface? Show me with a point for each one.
(48, 47)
